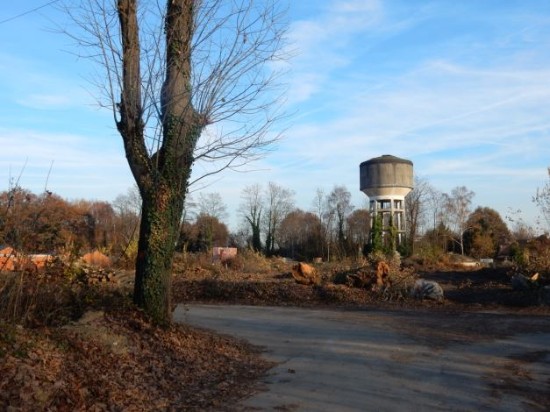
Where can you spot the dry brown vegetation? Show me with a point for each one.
(67, 343)
(351, 283)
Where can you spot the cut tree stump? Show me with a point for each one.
(305, 274)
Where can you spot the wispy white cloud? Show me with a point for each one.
(46, 101)
(31, 84)
(476, 106)
(77, 162)
(321, 43)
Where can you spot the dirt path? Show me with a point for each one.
(375, 360)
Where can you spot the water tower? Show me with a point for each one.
(386, 180)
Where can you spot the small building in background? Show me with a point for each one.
(223, 254)
(11, 260)
(7, 258)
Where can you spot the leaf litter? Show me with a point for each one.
(114, 361)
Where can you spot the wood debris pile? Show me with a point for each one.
(93, 276)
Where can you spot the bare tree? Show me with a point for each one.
(339, 205)
(190, 210)
(417, 205)
(129, 202)
(436, 206)
(520, 229)
(320, 209)
(542, 200)
(278, 203)
(128, 210)
(251, 210)
(358, 224)
(188, 82)
(212, 204)
(457, 206)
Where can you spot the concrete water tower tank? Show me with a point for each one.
(386, 180)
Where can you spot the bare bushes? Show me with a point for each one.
(56, 294)
(246, 262)
(30, 301)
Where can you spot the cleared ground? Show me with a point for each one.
(380, 360)
(485, 347)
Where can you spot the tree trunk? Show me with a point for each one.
(161, 213)
(256, 238)
(161, 177)
(269, 243)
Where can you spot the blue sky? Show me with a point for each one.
(460, 88)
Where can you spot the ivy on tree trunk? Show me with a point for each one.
(161, 177)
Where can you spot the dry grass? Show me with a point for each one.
(30, 301)
(246, 266)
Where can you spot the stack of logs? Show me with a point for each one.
(93, 276)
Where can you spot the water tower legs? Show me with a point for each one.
(390, 214)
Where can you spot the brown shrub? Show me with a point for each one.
(97, 259)
(33, 301)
